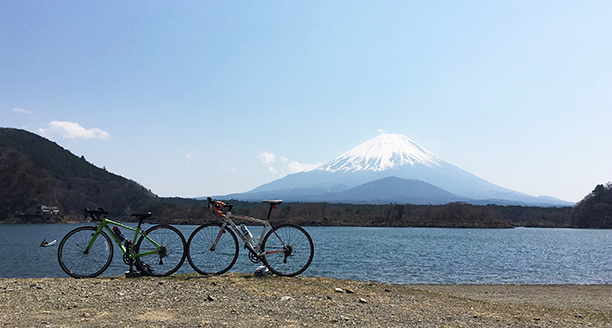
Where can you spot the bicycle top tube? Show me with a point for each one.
(246, 218)
(219, 206)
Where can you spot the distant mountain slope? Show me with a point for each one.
(391, 155)
(393, 190)
(35, 171)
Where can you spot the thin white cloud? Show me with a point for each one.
(267, 158)
(188, 156)
(71, 130)
(285, 165)
(295, 167)
(21, 110)
(228, 168)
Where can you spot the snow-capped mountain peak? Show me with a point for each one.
(386, 151)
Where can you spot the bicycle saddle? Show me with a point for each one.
(142, 216)
(272, 202)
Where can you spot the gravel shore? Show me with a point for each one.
(242, 300)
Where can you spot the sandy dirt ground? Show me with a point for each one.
(241, 300)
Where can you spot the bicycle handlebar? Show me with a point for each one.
(95, 214)
(218, 206)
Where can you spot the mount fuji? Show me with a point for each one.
(390, 168)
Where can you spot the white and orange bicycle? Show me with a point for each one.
(286, 250)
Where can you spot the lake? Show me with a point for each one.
(392, 255)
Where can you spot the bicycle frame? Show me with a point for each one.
(252, 244)
(104, 224)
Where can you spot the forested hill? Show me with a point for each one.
(36, 172)
(59, 162)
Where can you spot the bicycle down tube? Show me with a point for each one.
(87, 251)
(137, 231)
(285, 249)
(250, 242)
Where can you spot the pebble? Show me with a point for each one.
(363, 301)
(338, 290)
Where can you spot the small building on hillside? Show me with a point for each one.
(48, 210)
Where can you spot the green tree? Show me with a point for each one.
(595, 210)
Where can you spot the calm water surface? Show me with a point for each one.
(394, 255)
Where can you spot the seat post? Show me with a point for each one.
(270, 211)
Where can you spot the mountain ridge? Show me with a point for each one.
(392, 155)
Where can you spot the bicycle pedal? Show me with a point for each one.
(132, 274)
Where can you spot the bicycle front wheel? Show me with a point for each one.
(205, 256)
(77, 261)
(288, 250)
(168, 257)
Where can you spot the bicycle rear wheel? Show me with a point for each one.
(208, 260)
(170, 256)
(288, 250)
(80, 264)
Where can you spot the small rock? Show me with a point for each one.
(39, 287)
(210, 298)
(579, 316)
(349, 291)
(345, 318)
(387, 290)
(338, 290)
(286, 298)
(362, 300)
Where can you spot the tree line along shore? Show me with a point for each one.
(594, 211)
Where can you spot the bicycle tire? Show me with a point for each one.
(171, 257)
(78, 264)
(297, 246)
(206, 261)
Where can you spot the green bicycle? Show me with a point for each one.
(86, 252)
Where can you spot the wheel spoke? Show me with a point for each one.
(205, 256)
(297, 254)
(166, 259)
(78, 263)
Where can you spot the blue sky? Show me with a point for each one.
(197, 98)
